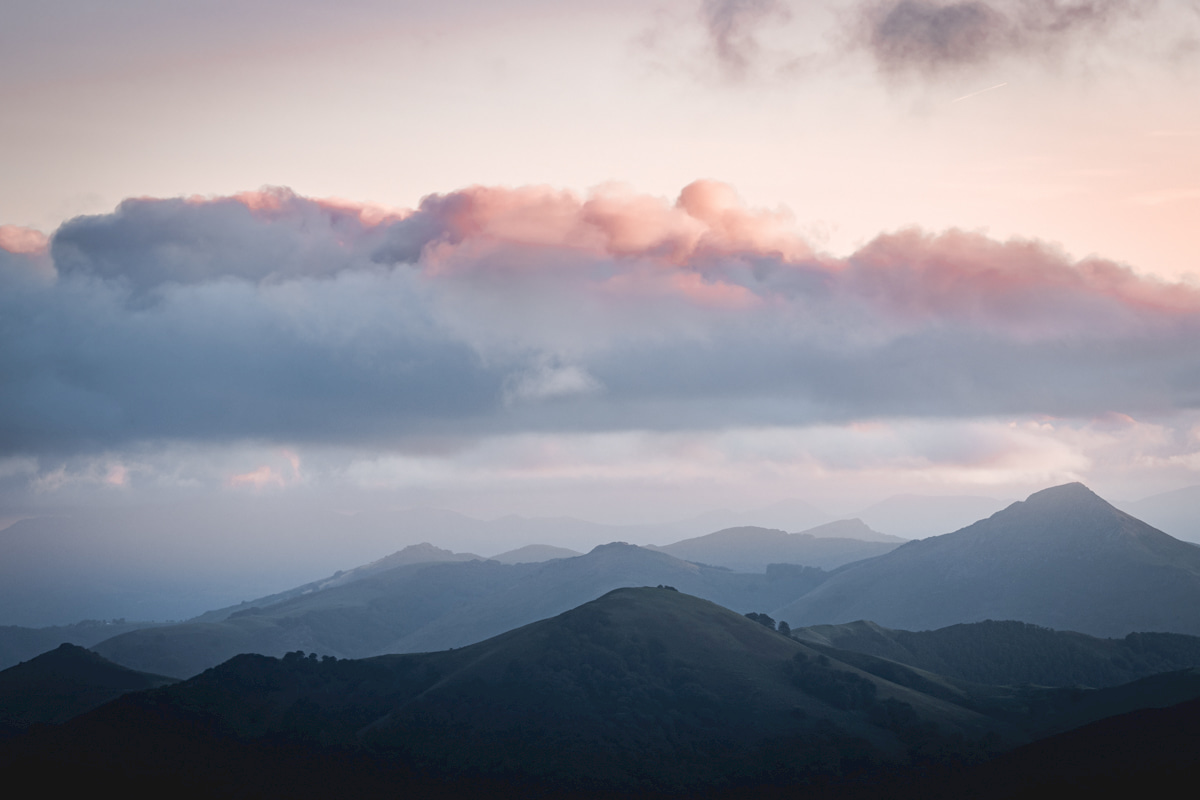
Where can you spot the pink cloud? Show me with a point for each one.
(962, 275)
(260, 478)
(23, 241)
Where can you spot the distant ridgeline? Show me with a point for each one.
(1063, 559)
(643, 692)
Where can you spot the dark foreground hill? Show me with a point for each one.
(1006, 653)
(751, 549)
(64, 683)
(643, 691)
(1153, 752)
(427, 607)
(1064, 559)
(19, 644)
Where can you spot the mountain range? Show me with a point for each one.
(1063, 559)
(644, 691)
(432, 606)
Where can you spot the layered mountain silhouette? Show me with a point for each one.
(1064, 559)
(1177, 512)
(750, 549)
(535, 553)
(19, 644)
(642, 691)
(434, 606)
(64, 683)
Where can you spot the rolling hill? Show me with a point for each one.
(64, 683)
(644, 691)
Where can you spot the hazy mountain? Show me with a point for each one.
(1176, 513)
(851, 529)
(63, 683)
(103, 563)
(790, 515)
(915, 516)
(423, 553)
(20, 644)
(1064, 559)
(752, 549)
(1006, 653)
(534, 554)
(557, 586)
(424, 607)
(106, 563)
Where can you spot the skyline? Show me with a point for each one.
(619, 263)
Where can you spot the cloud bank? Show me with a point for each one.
(279, 318)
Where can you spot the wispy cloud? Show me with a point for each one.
(732, 27)
(932, 36)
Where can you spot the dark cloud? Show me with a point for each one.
(147, 243)
(497, 310)
(732, 27)
(928, 36)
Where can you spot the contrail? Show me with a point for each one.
(981, 91)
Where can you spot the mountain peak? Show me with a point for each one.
(1064, 558)
(1067, 493)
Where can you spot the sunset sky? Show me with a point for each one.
(624, 260)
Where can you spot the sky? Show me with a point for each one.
(622, 261)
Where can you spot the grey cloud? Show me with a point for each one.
(147, 243)
(928, 36)
(255, 335)
(732, 27)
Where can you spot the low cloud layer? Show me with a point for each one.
(273, 317)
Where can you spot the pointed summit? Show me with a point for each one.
(1074, 492)
(1063, 558)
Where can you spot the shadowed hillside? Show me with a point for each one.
(63, 683)
(643, 691)
(1015, 652)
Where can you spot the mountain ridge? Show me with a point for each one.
(1064, 559)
